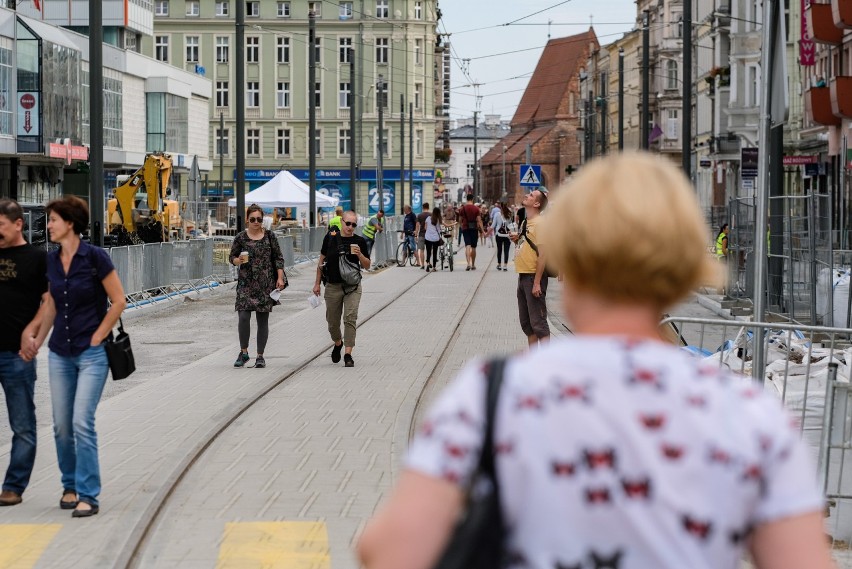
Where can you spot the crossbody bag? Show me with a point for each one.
(547, 271)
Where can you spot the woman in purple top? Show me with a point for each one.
(85, 302)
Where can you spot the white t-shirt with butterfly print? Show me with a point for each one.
(616, 454)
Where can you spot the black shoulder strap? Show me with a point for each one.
(524, 233)
(494, 377)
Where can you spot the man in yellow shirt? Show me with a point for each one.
(335, 222)
(530, 264)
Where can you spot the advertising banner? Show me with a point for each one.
(389, 196)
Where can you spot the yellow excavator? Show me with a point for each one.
(140, 212)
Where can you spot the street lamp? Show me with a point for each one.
(504, 173)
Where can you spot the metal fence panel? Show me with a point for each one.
(197, 259)
(286, 244)
(181, 253)
(222, 267)
(120, 257)
(151, 264)
(165, 262)
(135, 268)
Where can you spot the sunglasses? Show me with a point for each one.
(351, 223)
(255, 220)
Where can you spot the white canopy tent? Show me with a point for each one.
(285, 190)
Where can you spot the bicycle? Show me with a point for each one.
(405, 252)
(446, 253)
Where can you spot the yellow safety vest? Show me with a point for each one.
(720, 247)
(335, 222)
(369, 231)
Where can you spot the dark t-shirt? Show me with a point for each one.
(330, 246)
(468, 216)
(422, 220)
(23, 279)
(409, 222)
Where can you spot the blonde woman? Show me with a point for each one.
(614, 448)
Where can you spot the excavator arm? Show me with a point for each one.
(150, 183)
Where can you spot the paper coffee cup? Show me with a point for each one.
(244, 255)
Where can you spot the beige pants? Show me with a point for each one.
(337, 305)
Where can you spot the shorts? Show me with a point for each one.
(421, 241)
(532, 311)
(471, 236)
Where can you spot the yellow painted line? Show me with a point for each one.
(274, 545)
(23, 544)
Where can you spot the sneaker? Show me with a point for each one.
(242, 358)
(505, 268)
(259, 362)
(468, 268)
(499, 267)
(348, 361)
(335, 353)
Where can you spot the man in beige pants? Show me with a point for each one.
(341, 300)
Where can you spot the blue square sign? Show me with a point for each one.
(530, 175)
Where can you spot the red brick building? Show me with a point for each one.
(548, 119)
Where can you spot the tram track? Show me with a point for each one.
(133, 554)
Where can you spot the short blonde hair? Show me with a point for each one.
(628, 228)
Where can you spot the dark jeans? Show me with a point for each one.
(18, 380)
(503, 244)
(244, 329)
(432, 252)
(370, 243)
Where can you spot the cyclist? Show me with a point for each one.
(409, 227)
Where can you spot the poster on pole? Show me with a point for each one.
(28, 123)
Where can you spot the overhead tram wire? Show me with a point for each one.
(537, 13)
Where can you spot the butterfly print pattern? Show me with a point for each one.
(600, 459)
(672, 452)
(653, 422)
(564, 469)
(697, 528)
(599, 495)
(637, 489)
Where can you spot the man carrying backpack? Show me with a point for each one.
(341, 260)
(470, 221)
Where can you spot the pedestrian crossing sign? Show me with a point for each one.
(531, 175)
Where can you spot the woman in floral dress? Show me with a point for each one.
(260, 272)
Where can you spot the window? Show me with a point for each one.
(252, 9)
(680, 27)
(672, 124)
(469, 169)
(344, 45)
(385, 145)
(222, 94)
(161, 48)
(222, 8)
(382, 94)
(5, 82)
(318, 94)
(222, 49)
(253, 49)
(318, 142)
(283, 9)
(418, 52)
(282, 95)
(671, 74)
(418, 96)
(282, 142)
(382, 50)
(418, 10)
(346, 10)
(343, 141)
(193, 8)
(253, 94)
(167, 122)
(113, 117)
(161, 8)
(192, 49)
(752, 85)
(345, 98)
(282, 51)
(383, 8)
(253, 142)
(316, 8)
(418, 142)
(318, 50)
(221, 142)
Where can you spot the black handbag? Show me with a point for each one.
(120, 354)
(477, 541)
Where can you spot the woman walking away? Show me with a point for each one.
(433, 238)
(85, 302)
(256, 252)
(613, 448)
(501, 227)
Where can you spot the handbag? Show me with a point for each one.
(120, 354)
(273, 245)
(477, 542)
(350, 273)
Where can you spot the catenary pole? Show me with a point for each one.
(686, 143)
(620, 98)
(380, 163)
(402, 149)
(312, 117)
(411, 153)
(352, 178)
(476, 191)
(96, 113)
(646, 80)
(239, 183)
(222, 155)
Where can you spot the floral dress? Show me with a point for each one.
(259, 276)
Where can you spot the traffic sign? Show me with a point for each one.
(531, 175)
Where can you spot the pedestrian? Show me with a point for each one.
(530, 264)
(501, 226)
(85, 302)
(613, 448)
(261, 271)
(334, 223)
(421, 235)
(23, 282)
(722, 243)
(373, 225)
(433, 223)
(471, 226)
(484, 234)
(409, 228)
(449, 215)
(459, 225)
(342, 300)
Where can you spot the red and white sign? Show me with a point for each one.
(28, 114)
(807, 47)
(800, 160)
(67, 151)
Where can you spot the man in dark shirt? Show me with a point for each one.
(23, 282)
(421, 234)
(409, 226)
(341, 300)
(470, 221)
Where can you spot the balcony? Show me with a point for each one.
(821, 26)
(842, 12)
(841, 96)
(820, 105)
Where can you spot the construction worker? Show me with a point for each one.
(369, 232)
(722, 243)
(337, 219)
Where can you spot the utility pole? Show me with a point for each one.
(96, 114)
(620, 99)
(503, 185)
(239, 183)
(222, 155)
(604, 113)
(380, 164)
(686, 143)
(352, 178)
(411, 153)
(402, 151)
(475, 153)
(646, 80)
(312, 116)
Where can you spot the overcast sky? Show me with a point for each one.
(504, 77)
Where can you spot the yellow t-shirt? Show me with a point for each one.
(527, 258)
